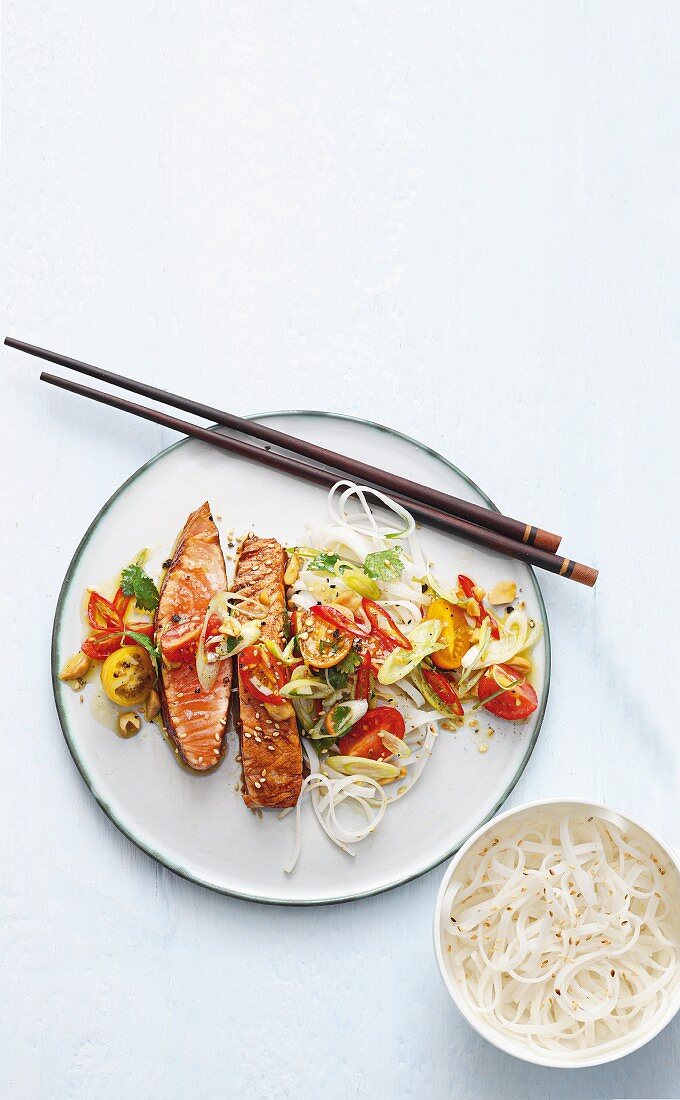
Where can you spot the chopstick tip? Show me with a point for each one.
(585, 574)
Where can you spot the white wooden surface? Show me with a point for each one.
(461, 219)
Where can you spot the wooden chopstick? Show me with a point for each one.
(350, 467)
(492, 540)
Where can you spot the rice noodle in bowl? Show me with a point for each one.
(557, 933)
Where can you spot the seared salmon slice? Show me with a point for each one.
(195, 719)
(270, 749)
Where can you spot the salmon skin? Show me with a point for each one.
(195, 719)
(270, 749)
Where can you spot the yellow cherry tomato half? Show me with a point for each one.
(322, 645)
(128, 675)
(456, 635)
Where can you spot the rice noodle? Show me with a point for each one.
(363, 520)
(327, 795)
(561, 936)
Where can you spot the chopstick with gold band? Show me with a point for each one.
(317, 475)
(350, 467)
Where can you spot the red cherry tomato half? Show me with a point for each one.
(364, 737)
(262, 675)
(516, 703)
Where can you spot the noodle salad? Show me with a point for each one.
(383, 655)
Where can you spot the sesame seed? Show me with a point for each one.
(200, 759)
(271, 748)
(256, 784)
(182, 736)
(217, 752)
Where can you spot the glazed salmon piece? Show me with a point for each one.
(195, 719)
(270, 750)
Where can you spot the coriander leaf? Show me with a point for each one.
(385, 565)
(324, 563)
(340, 673)
(233, 642)
(135, 582)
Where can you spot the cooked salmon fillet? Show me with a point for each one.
(270, 749)
(195, 719)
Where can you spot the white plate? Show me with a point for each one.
(197, 825)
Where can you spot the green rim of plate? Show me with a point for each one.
(166, 861)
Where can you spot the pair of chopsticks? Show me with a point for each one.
(468, 521)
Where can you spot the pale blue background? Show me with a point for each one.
(461, 219)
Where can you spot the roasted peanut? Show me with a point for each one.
(350, 600)
(279, 711)
(503, 593)
(292, 570)
(128, 724)
(76, 667)
(152, 707)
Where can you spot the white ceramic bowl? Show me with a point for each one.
(516, 1047)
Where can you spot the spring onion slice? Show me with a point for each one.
(247, 633)
(285, 656)
(400, 662)
(395, 745)
(361, 584)
(343, 715)
(307, 688)
(363, 766)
